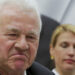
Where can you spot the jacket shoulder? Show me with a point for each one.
(38, 69)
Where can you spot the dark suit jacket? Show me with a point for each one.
(48, 27)
(37, 69)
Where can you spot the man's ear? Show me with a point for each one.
(51, 51)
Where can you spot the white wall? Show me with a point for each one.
(53, 8)
(69, 16)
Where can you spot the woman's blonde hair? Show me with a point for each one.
(60, 29)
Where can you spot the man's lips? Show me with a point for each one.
(18, 60)
(70, 61)
(19, 56)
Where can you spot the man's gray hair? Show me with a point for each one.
(24, 4)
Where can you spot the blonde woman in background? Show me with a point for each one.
(62, 49)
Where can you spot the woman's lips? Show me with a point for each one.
(70, 61)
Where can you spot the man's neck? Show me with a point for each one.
(12, 73)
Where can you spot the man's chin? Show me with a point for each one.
(19, 64)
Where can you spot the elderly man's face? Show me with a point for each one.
(19, 37)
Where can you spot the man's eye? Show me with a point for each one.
(74, 46)
(12, 34)
(30, 37)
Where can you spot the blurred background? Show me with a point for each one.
(53, 13)
(62, 11)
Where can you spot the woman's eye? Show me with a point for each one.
(64, 45)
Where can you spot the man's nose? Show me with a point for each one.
(22, 44)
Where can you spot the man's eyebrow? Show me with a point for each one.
(33, 33)
(13, 30)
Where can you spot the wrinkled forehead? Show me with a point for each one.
(16, 11)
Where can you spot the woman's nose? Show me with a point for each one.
(71, 51)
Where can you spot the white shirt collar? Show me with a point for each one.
(25, 73)
(55, 72)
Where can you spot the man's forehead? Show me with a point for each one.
(11, 10)
(16, 10)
